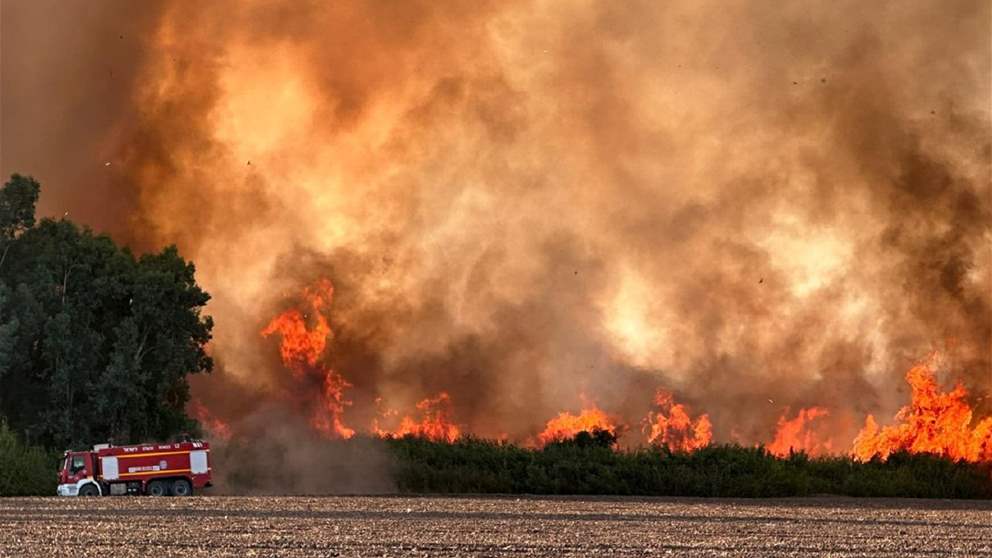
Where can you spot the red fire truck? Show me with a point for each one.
(156, 469)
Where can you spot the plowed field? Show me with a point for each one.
(426, 526)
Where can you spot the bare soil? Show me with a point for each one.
(470, 526)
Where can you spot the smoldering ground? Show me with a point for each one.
(527, 203)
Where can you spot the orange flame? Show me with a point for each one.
(566, 425)
(435, 424)
(214, 426)
(934, 422)
(673, 427)
(302, 347)
(301, 344)
(328, 419)
(797, 434)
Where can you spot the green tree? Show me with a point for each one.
(95, 344)
(17, 203)
(8, 334)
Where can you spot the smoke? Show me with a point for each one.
(524, 204)
(282, 456)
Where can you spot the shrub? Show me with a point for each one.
(25, 470)
(588, 465)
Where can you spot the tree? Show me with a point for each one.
(95, 344)
(8, 335)
(17, 204)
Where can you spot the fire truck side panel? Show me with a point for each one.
(109, 468)
(150, 462)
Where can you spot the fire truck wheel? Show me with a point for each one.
(156, 488)
(181, 488)
(89, 490)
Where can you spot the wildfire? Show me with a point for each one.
(797, 434)
(566, 425)
(214, 426)
(302, 347)
(673, 427)
(435, 423)
(933, 422)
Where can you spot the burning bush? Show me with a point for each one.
(934, 422)
(673, 428)
(567, 426)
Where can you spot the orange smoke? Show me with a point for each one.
(214, 426)
(797, 434)
(566, 425)
(934, 422)
(435, 423)
(302, 346)
(674, 428)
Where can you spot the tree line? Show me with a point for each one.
(95, 342)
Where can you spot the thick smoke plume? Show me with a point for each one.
(532, 205)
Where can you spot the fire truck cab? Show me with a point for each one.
(156, 469)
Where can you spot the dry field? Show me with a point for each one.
(428, 526)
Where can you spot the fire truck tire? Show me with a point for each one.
(181, 487)
(89, 490)
(156, 488)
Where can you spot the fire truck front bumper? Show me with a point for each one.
(68, 490)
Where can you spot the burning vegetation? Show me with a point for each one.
(799, 434)
(672, 427)
(935, 422)
(566, 426)
(304, 336)
(434, 424)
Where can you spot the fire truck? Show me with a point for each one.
(156, 469)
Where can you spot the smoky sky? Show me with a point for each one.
(533, 205)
